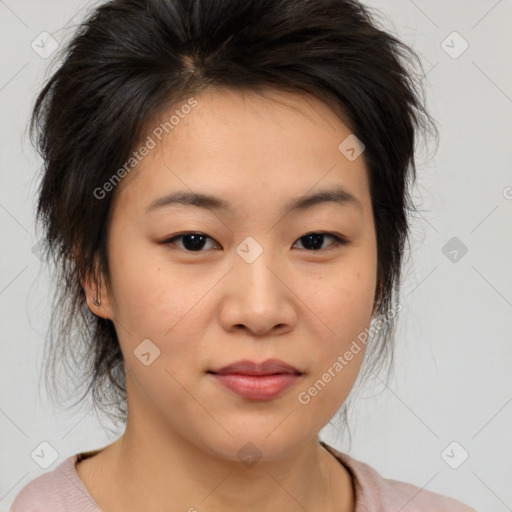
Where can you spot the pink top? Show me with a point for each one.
(61, 490)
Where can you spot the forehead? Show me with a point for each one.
(244, 145)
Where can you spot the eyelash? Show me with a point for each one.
(338, 240)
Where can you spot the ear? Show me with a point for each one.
(95, 289)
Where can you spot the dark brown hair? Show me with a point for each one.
(131, 59)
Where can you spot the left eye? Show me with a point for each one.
(194, 242)
(315, 240)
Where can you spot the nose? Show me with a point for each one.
(258, 297)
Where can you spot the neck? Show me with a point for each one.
(180, 477)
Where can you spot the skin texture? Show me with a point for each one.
(206, 309)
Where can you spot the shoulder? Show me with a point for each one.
(59, 490)
(375, 493)
(38, 495)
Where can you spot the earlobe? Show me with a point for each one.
(98, 307)
(97, 301)
(94, 300)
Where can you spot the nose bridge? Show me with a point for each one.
(255, 268)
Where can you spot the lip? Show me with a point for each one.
(268, 367)
(257, 381)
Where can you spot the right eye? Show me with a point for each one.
(192, 241)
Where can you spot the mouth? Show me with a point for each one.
(257, 381)
(268, 367)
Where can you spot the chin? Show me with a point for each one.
(250, 446)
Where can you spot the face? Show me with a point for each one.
(197, 287)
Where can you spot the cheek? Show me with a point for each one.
(343, 302)
(343, 299)
(159, 305)
(149, 299)
(338, 350)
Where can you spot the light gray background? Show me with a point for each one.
(454, 351)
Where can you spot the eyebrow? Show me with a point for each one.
(338, 195)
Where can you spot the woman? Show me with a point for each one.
(225, 195)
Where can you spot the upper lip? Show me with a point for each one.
(268, 367)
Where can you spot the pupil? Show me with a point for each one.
(315, 238)
(196, 242)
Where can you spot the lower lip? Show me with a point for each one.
(257, 387)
